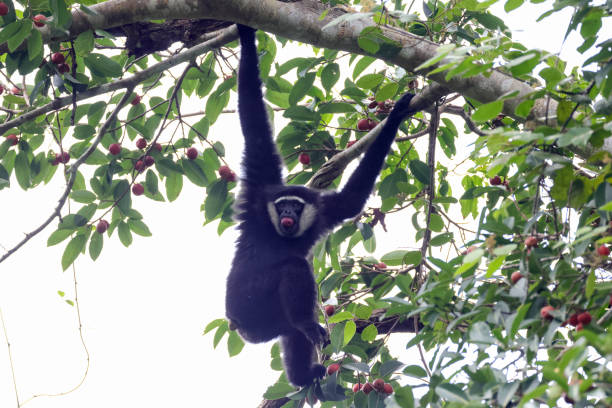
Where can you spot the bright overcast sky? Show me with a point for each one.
(144, 308)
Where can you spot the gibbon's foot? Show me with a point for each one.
(318, 371)
(232, 325)
(316, 334)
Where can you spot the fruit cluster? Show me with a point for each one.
(579, 320)
(378, 385)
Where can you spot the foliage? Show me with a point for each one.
(483, 338)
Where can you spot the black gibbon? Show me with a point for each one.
(271, 290)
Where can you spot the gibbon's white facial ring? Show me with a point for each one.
(305, 218)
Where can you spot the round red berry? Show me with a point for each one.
(136, 100)
(367, 388)
(3, 9)
(545, 312)
(192, 153)
(388, 389)
(58, 58)
(603, 250)
(363, 124)
(157, 147)
(102, 226)
(584, 318)
(64, 157)
(329, 310)
(137, 189)
(114, 149)
(141, 143)
(573, 320)
(373, 105)
(38, 20)
(495, 181)
(531, 241)
(13, 138)
(372, 124)
(333, 368)
(579, 326)
(16, 91)
(149, 161)
(381, 265)
(304, 158)
(516, 276)
(139, 166)
(379, 384)
(350, 143)
(357, 387)
(226, 173)
(1, 89)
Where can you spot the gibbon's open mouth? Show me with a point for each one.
(288, 225)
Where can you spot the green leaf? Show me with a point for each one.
(369, 333)
(336, 107)
(83, 196)
(101, 65)
(35, 44)
(58, 236)
(361, 65)
(509, 6)
(420, 171)
(215, 199)
(194, 173)
(370, 81)
(73, 249)
(151, 182)
(349, 331)
(488, 111)
(22, 170)
(139, 227)
(340, 317)
(387, 91)
(25, 27)
(278, 390)
(84, 43)
(330, 75)
(234, 343)
(122, 196)
(301, 88)
(125, 236)
(95, 245)
(452, 393)
(215, 323)
(174, 185)
(389, 367)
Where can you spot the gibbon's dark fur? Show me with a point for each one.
(271, 290)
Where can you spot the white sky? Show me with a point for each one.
(144, 308)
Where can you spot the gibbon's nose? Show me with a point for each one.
(287, 222)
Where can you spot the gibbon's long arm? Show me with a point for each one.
(262, 164)
(350, 200)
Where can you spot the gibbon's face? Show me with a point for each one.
(291, 215)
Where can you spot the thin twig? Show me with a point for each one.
(10, 356)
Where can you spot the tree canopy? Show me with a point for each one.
(505, 278)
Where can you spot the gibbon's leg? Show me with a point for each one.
(261, 161)
(298, 357)
(298, 294)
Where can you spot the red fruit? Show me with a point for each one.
(38, 20)
(136, 100)
(157, 147)
(304, 158)
(584, 318)
(64, 157)
(227, 174)
(16, 91)
(372, 124)
(102, 226)
(579, 326)
(1, 89)
(329, 310)
(531, 241)
(363, 124)
(379, 384)
(367, 388)
(114, 149)
(13, 138)
(381, 265)
(63, 68)
(373, 105)
(141, 143)
(495, 181)
(58, 58)
(139, 166)
(357, 387)
(3, 9)
(545, 312)
(137, 189)
(192, 153)
(573, 320)
(149, 161)
(603, 250)
(350, 143)
(388, 389)
(516, 276)
(333, 368)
